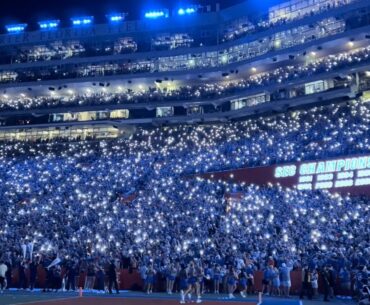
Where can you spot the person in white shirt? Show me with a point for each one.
(3, 270)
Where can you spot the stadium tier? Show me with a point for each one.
(228, 65)
(194, 151)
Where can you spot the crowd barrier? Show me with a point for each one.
(130, 280)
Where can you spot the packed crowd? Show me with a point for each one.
(135, 201)
(195, 92)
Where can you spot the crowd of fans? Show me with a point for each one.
(196, 92)
(136, 203)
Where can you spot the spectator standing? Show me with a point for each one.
(306, 288)
(3, 270)
(285, 279)
(332, 281)
(22, 275)
(267, 280)
(90, 278)
(314, 282)
(70, 276)
(100, 279)
(345, 280)
(112, 277)
(33, 274)
(326, 283)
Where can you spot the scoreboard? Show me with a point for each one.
(328, 174)
(345, 175)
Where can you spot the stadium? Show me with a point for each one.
(214, 153)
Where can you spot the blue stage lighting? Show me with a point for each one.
(157, 14)
(16, 28)
(115, 18)
(49, 24)
(81, 21)
(187, 11)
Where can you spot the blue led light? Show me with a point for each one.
(115, 18)
(82, 21)
(16, 28)
(186, 11)
(49, 24)
(157, 14)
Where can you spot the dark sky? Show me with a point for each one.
(31, 11)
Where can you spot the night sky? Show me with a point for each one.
(31, 11)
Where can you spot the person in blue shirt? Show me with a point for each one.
(250, 279)
(275, 282)
(194, 274)
(183, 275)
(217, 279)
(243, 283)
(171, 274)
(285, 279)
(232, 278)
(150, 274)
(267, 280)
(345, 280)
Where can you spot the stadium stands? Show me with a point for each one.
(94, 201)
(109, 154)
(197, 92)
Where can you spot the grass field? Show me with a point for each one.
(132, 298)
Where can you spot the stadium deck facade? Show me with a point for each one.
(72, 68)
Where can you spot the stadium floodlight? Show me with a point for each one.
(16, 28)
(164, 13)
(116, 18)
(49, 24)
(82, 21)
(187, 11)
